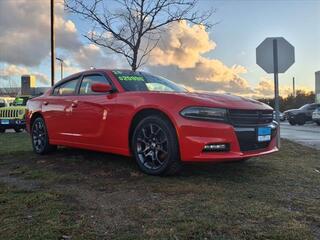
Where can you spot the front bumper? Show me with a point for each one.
(242, 141)
(12, 123)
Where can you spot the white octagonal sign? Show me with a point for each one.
(264, 55)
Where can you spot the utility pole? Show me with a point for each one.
(52, 40)
(294, 87)
(61, 66)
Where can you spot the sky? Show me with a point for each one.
(220, 59)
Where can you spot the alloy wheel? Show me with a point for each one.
(152, 146)
(39, 135)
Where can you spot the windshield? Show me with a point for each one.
(20, 101)
(140, 81)
(304, 106)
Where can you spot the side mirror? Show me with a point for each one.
(101, 87)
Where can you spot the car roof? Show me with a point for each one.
(90, 71)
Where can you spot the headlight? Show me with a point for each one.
(21, 112)
(205, 113)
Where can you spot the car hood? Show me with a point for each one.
(291, 111)
(13, 108)
(226, 101)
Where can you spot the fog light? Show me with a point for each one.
(219, 147)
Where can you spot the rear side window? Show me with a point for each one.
(67, 88)
(89, 80)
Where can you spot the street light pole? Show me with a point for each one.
(61, 66)
(52, 40)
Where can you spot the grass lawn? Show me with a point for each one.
(87, 195)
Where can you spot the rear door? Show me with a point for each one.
(57, 109)
(91, 113)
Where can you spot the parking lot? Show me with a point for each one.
(307, 135)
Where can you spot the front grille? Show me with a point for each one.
(248, 141)
(9, 113)
(248, 117)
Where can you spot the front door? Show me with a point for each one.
(90, 116)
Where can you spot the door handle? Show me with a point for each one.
(74, 104)
(45, 103)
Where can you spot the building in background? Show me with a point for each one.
(28, 87)
(317, 92)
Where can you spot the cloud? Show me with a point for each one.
(207, 75)
(11, 71)
(265, 89)
(25, 31)
(93, 56)
(180, 56)
(182, 45)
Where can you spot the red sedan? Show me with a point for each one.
(158, 122)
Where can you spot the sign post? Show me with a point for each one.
(275, 55)
(276, 82)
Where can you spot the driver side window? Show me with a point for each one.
(88, 81)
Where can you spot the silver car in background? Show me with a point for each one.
(316, 116)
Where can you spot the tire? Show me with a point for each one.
(17, 130)
(300, 120)
(39, 137)
(318, 123)
(155, 146)
(2, 130)
(292, 122)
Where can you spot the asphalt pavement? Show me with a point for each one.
(307, 135)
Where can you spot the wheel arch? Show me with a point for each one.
(33, 117)
(142, 113)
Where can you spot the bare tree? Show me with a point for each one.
(132, 28)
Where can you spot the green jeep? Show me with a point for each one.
(13, 117)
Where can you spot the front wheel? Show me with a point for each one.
(2, 130)
(40, 139)
(155, 146)
(318, 123)
(292, 122)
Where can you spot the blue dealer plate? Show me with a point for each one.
(5, 122)
(264, 134)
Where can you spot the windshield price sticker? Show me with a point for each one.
(130, 78)
(122, 76)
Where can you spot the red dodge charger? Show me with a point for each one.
(158, 122)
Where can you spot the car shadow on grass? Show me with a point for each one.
(99, 164)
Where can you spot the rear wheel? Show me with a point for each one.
(318, 123)
(155, 146)
(40, 139)
(2, 130)
(300, 120)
